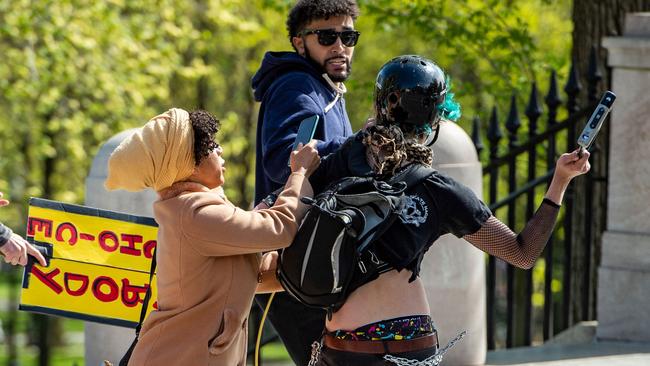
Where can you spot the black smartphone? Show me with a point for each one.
(596, 120)
(306, 131)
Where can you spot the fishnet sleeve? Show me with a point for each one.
(495, 238)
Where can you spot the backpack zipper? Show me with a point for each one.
(362, 267)
(373, 257)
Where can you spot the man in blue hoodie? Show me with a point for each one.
(293, 86)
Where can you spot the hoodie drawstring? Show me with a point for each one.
(338, 89)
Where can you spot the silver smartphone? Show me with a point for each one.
(306, 131)
(596, 120)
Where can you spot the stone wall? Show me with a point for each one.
(624, 273)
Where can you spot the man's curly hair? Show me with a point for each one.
(205, 126)
(306, 11)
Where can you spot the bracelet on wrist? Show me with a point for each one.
(270, 199)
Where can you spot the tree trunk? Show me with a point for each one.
(592, 21)
(250, 122)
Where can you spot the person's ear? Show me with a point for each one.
(195, 171)
(299, 45)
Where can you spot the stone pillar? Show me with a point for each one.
(624, 273)
(105, 342)
(453, 270)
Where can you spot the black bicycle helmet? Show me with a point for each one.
(409, 90)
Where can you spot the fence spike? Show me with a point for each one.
(572, 88)
(513, 122)
(476, 135)
(494, 133)
(553, 99)
(573, 85)
(534, 109)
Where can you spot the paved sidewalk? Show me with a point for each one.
(573, 347)
(592, 354)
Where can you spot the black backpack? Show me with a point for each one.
(331, 255)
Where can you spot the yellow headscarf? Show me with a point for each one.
(155, 156)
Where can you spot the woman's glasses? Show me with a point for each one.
(327, 37)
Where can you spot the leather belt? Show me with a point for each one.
(381, 347)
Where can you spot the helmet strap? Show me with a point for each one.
(435, 136)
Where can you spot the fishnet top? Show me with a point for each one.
(495, 238)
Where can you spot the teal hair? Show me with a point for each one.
(424, 129)
(449, 109)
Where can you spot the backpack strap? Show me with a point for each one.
(370, 266)
(143, 312)
(412, 175)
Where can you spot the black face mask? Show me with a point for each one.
(322, 69)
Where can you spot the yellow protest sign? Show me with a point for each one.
(99, 263)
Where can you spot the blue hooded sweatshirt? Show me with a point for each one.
(291, 89)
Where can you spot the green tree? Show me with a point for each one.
(73, 73)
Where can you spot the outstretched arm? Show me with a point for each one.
(495, 238)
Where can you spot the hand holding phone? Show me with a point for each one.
(306, 132)
(595, 122)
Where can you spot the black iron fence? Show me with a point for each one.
(526, 169)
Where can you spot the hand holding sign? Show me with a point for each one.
(16, 249)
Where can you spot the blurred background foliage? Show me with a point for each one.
(75, 72)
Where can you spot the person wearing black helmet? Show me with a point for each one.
(410, 91)
(387, 320)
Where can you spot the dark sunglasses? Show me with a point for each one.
(327, 37)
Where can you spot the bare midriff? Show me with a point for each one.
(389, 296)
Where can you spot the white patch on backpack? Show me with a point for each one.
(415, 211)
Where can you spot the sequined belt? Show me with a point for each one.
(381, 347)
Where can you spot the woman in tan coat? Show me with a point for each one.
(208, 249)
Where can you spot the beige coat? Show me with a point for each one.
(208, 260)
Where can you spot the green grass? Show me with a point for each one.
(73, 354)
(275, 352)
(73, 325)
(68, 355)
